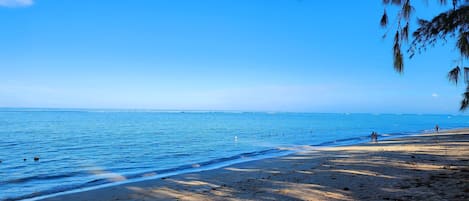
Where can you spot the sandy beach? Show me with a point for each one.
(424, 167)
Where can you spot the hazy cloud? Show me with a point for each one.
(434, 95)
(16, 3)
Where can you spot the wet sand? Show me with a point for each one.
(424, 167)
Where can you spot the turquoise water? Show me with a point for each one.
(85, 148)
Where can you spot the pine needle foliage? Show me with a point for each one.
(453, 23)
(453, 75)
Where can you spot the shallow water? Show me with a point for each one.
(83, 148)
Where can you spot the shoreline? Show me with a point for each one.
(208, 183)
(207, 165)
(212, 165)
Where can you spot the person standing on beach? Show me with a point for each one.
(437, 128)
(374, 136)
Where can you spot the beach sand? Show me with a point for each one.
(424, 167)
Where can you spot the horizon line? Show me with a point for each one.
(65, 109)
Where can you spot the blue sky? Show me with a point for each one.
(252, 55)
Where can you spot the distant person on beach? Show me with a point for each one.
(437, 128)
(374, 136)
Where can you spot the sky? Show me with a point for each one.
(243, 55)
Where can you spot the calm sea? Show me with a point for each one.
(89, 148)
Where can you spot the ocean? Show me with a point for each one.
(79, 149)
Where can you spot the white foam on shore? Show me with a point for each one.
(177, 172)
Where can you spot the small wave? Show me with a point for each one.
(40, 177)
(207, 165)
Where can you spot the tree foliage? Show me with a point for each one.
(453, 23)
